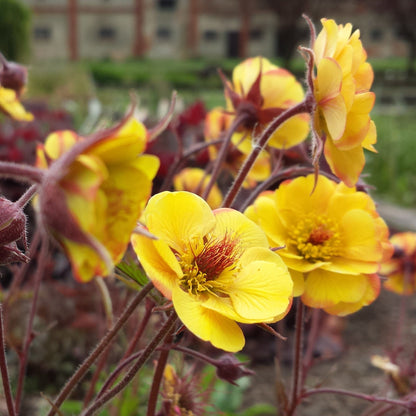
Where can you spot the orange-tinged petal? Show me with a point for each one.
(324, 289)
(159, 262)
(178, 218)
(370, 294)
(346, 164)
(370, 138)
(85, 262)
(59, 142)
(207, 324)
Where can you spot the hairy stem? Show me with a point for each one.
(21, 172)
(158, 375)
(404, 403)
(219, 160)
(24, 355)
(85, 366)
(151, 347)
(302, 107)
(297, 362)
(4, 370)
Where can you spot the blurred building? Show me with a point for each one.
(118, 29)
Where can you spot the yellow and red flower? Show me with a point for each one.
(196, 180)
(215, 266)
(400, 270)
(261, 91)
(333, 241)
(94, 192)
(344, 101)
(217, 121)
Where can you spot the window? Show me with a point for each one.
(42, 33)
(376, 34)
(167, 4)
(256, 34)
(164, 33)
(210, 35)
(107, 33)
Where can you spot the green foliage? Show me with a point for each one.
(393, 170)
(14, 29)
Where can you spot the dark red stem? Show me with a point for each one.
(4, 370)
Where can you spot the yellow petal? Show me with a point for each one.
(362, 245)
(159, 262)
(298, 282)
(264, 212)
(324, 289)
(10, 104)
(292, 132)
(125, 144)
(207, 324)
(178, 218)
(263, 288)
(234, 223)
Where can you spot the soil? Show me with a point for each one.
(345, 360)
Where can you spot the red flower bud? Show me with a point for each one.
(230, 369)
(12, 222)
(14, 77)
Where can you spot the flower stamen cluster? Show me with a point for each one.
(316, 238)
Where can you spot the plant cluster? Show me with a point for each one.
(209, 223)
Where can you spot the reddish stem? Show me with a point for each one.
(238, 120)
(24, 355)
(151, 347)
(297, 362)
(408, 404)
(21, 172)
(85, 366)
(4, 370)
(303, 107)
(158, 375)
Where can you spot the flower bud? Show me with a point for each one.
(14, 77)
(230, 369)
(12, 222)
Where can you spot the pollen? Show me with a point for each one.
(201, 270)
(316, 238)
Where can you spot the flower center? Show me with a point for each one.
(316, 238)
(201, 270)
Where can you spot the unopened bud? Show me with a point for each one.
(12, 222)
(9, 253)
(230, 369)
(13, 76)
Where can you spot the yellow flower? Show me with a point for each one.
(262, 91)
(215, 266)
(10, 104)
(401, 268)
(333, 239)
(93, 193)
(341, 88)
(217, 121)
(195, 180)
